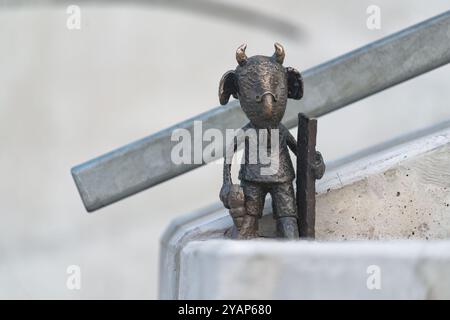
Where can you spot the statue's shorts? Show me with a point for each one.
(283, 198)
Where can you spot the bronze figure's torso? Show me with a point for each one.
(284, 169)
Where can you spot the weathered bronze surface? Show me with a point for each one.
(309, 168)
(262, 84)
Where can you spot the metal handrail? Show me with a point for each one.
(328, 87)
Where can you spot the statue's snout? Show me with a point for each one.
(267, 100)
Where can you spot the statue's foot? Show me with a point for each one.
(287, 227)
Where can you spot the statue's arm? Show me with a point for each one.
(227, 181)
(291, 142)
(230, 150)
(318, 165)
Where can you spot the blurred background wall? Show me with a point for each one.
(133, 68)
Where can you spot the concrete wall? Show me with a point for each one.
(315, 270)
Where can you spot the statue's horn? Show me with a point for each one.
(279, 53)
(241, 57)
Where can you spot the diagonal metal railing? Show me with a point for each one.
(328, 87)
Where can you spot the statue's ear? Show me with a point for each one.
(227, 87)
(295, 83)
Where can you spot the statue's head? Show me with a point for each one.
(262, 86)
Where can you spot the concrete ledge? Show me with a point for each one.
(262, 269)
(398, 191)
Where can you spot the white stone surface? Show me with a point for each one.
(399, 191)
(267, 269)
(402, 192)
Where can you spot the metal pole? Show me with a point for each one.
(328, 87)
(306, 179)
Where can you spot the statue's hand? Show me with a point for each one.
(319, 166)
(224, 194)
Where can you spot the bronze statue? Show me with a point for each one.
(263, 86)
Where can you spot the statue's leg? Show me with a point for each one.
(236, 202)
(285, 210)
(255, 195)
